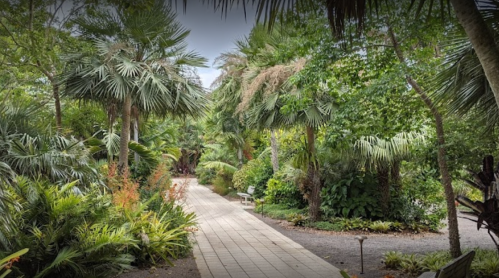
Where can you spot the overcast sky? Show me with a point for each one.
(211, 33)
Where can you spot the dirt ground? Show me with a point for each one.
(183, 268)
(342, 250)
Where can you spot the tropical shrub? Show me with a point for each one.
(256, 173)
(380, 226)
(125, 190)
(484, 265)
(278, 211)
(160, 236)
(349, 224)
(420, 199)
(392, 259)
(353, 195)
(297, 219)
(327, 226)
(282, 192)
(68, 232)
(213, 153)
(58, 159)
(75, 232)
(205, 175)
(222, 183)
(159, 182)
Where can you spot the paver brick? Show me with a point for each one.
(233, 243)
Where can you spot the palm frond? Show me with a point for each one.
(219, 165)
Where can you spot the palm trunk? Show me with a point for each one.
(57, 104)
(395, 176)
(313, 178)
(482, 40)
(240, 157)
(111, 118)
(125, 135)
(136, 131)
(274, 147)
(455, 245)
(383, 175)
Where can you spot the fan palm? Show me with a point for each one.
(274, 112)
(141, 62)
(239, 68)
(385, 155)
(228, 91)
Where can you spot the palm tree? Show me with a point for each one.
(463, 86)
(140, 62)
(239, 69)
(272, 113)
(385, 156)
(227, 93)
(468, 13)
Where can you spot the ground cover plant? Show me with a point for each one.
(485, 263)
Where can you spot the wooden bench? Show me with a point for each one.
(458, 268)
(248, 195)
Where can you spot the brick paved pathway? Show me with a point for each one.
(233, 243)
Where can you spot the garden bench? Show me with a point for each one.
(246, 196)
(458, 268)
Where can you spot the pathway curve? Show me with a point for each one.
(233, 243)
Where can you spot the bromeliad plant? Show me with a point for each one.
(486, 211)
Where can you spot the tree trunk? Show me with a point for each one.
(136, 131)
(383, 175)
(125, 135)
(57, 104)
(455, 245)
(395, 175)
(482, 40)
(274, 147)
(313, 178)
(240, 157)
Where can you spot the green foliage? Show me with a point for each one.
(392, 259)
(50, 215)
(7, 262)
(75, 232)
(352, 195)
(283, 192)
(484, 265)
(297, 219)
(420, 200)
(380, 226)
(350, 224)
(161, 235)
(56, 158)
(327, 226)
(435, 260)
(213, 152)
(83, 120)
(222, 184)
(462, 188)
(255, 173)
(411, 264)
(279, 211)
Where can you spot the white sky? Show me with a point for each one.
(212, 33)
